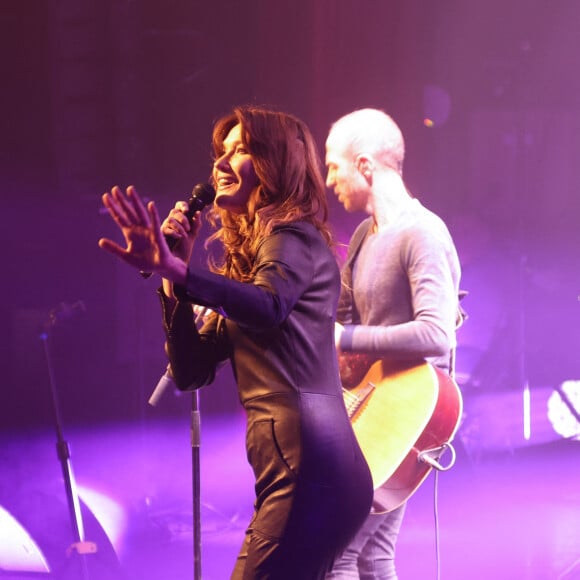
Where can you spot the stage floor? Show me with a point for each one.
(513, 514)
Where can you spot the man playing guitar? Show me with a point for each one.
(398, 306)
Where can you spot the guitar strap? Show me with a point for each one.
(347, 313)
(357, 239)
(461, 318)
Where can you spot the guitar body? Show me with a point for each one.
(396, 413)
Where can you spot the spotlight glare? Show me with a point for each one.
(109, 513)
(18, 551)
(564, 409)
(527, 415)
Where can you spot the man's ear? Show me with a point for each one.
(364, 165)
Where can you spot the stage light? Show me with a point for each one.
(527, 412)
(110, 515)
(564, 409)
(35, 537)
(18, 551)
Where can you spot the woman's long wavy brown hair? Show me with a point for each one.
(291, 186)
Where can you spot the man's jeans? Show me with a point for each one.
(371, 553)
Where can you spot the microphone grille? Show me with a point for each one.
(203, 194)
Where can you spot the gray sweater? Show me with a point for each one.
(399, 296)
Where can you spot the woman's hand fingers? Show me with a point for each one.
(137, 207)
(115, 209)
(155, 225)
(195, 223)
(144, 243)
(145, 236)
(178, 224)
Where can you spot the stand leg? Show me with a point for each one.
(80, 546)
(195, 464)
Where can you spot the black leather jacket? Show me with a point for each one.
(278, 333)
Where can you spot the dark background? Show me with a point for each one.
(126, 92)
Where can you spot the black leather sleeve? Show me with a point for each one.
(283, 273)
(194, 355)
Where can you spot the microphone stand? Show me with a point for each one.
(196, 485)
(165, 382)
(195, 467)
(80, 545)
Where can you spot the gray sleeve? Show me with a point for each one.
(432, 268)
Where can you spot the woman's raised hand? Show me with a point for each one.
(146, 246)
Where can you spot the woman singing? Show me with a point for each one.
(273, 298)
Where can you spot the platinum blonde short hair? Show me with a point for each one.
(373, 132)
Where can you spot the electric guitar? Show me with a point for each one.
(404, 418)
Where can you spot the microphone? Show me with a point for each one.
(164, 383)
(202, 195)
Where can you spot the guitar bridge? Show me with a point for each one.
(354, 401)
